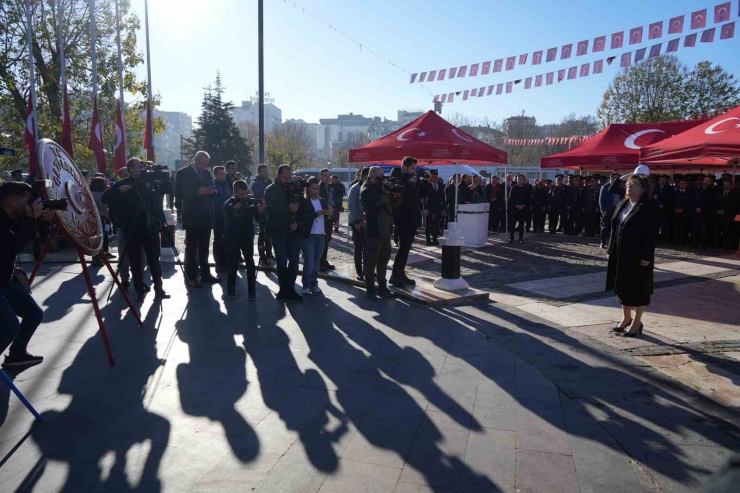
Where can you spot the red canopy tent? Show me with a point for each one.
(716, 140)
(617, 146)
(430, 139)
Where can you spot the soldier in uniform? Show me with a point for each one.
(556, 205)
(574, 207)
(434, 206)
(539, 205)
(683, 212)
(591, 210)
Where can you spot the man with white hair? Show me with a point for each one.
(195, 191)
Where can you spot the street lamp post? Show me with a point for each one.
(261, 70)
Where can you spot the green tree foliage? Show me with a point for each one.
(663, 89)
(15, 82)
(216, 132)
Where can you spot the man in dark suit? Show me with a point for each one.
(683, 202)
(495, 193)
(663, 195)
(434, 205)
(728, 201)
(195, 190)
(556, 205)
(539, 205)
(705, 203)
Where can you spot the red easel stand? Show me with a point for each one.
(94, 299)
(44, 252)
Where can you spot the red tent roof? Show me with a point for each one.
(429, 138)
(617, 146)
(717, 139)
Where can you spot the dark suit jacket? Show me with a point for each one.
(434, 202)
(197, 210)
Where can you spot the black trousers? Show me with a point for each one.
(573, 221)
(146, 240)
(681, 228)
(219, 253)
(606, 226)
(377, 256)
(328, 231)
(432, 224)
(556, 217)
(702, 226)
(665, 225)
(494, 217)
(592, 221)
(406, 234)
(196, 253)
(234, 251)
(264, 244)
(723, 231)
(517, 220)
(359, 238)
(538, 216)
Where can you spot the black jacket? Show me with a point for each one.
(625, 276)
(540, 198)
(238, 221)
(465, 195)
(557, 197)
(706, 200)
(574, 197)
(134, 208)
(434, 201)
(378, 207)
(279, 216)
(197, 210)
(519, 196)
(664, 196)
(306, 215)
(684, 201)
(591, 199)
(728, 203)
(15, 233)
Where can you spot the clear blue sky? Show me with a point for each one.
(314, 72)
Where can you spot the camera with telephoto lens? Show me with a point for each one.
(51, 205)
(153, 172)
(297, 190)
(394, 184)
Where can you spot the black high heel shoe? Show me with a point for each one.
(619, 329)
(633, 334)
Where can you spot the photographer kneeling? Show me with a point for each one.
(240, 211)
(378, 204)
(136, 198)
(17, 227)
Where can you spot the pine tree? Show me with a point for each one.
(216, 132)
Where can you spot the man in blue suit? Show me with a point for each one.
(607, 202)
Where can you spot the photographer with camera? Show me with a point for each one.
(379, 201)
(18, 215)
(283, 198)
(239, 213)
(406, 219)
(136, 199)
(264, 245)
(195, 190)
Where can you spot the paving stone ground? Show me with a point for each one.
(529, 392)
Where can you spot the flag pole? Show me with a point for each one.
(32, 73)
(457, 186)
(120, 73)
(93, 56)
(148, 74)
(63, 62)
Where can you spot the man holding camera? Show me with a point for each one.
(195, 189)
(18, 215)
(135, 198)
(378, 205)
(283, 198)
(264, 245)
(407, 220)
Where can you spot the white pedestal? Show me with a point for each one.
(473, 221)
(453, 238)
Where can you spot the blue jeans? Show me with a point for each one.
(312, 248)
(287, 248)
(16, 302)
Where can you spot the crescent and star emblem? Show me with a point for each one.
(29, 123)
(722, 13)
(402, 134)
(629, 142)
(118, 137)
(462, 136)
(711, 129)
(97, 132)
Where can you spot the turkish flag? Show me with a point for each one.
(465, 95)
(462, 71)
(509, 87)
(561, 75)
(565, 51)
(599, 44)
(149, 134)
(626, 59)
(598, 66)
(672, 46)
(498, 65)
(96, 138)
(585, 69)
(474, 70)
(618, 40)
(481, 91)
(413, 78)
(636, 35)
(453, 72)
(473, 93)
(549, 78)
(30, 143)
(528, 83)
(523, 59)
(655, 50)
(119, 153)
(689, 41)
(727, 31)
(423, 77)
(655, 30)
(510, 62)
(490, 91)
(444, 98)
(582, 48)
(537, 58)
(675, 25)
(699, 19)
(486, 68)
(431, 76)
(451, 97)
(572, 73)
(442, 73)
(722, 13)
(640, 55)
(551, 54)
(499, 89)
(66, 125)
(707, 36)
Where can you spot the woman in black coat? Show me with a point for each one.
(631, 253)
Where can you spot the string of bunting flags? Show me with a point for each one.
(727, 31)
(675, 25)
(571, 139)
